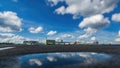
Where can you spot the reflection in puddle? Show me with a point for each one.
(62, 60)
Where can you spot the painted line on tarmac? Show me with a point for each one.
(5, 48)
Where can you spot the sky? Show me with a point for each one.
(68, 20)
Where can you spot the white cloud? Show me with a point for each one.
(116, 17)
(64, 36)
(91, 10)
(35, 61)
(50, 33)
(9, 22)
(84, 7)
(93, 38)
(12, 38)
(119, 33)
(5, 35)
(96, 22)
(67, 36)
(89, 32)
(60, 10)
(83, 36)
(92, 24)
(35, 30)
(54, 2)
(118, 38)
(58, 39)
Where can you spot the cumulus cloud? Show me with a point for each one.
(50, 33)
(91, 10)
(10, 22)
(35, 30)
(5, 35)
(67, 36)
(64, 36)
(83, 36)
(118, 38)
(12, 38)
(116, 17)
(84, 7)
(92, 24)
(89, 31)
(54, 2)
(119, 33)
(93, 38)
(96, 22)
(60, 10)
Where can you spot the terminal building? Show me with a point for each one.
(53, 42)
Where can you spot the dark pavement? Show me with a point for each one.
(31, 49)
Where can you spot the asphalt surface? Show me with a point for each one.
(33, 49)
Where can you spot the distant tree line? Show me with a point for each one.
(4, 43)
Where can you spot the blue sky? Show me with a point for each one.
(70, 20)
